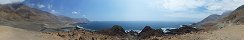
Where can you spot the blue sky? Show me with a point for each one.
(134, 10)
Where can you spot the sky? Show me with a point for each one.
(134, 10)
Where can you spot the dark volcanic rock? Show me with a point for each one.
(148, 31)
(182, 30)
(158, 32)
(116, 30)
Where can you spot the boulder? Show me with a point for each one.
(116, 30)
(182, 30)
(148, 31)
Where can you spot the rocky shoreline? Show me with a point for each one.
(117, 32)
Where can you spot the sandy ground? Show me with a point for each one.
(10, 33)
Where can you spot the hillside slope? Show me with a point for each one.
(237, 16)
(210, 19)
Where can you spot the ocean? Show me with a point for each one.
(132, 25)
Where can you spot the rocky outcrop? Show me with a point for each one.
(114, 33)
(22, 16)
(116, 30)
(118, 33)
(182, 30)
(148, 31)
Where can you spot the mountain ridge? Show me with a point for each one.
(22, 16)
(236, 16)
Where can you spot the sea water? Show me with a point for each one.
(132, 25)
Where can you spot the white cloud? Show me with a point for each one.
(75, 12)
(49, 6)
(10, 1)
(84, 16)
(186, 15)
(54, 11)
(190, 8)
(224, 5)
(41, 6)
(189, 5)
(179, 5)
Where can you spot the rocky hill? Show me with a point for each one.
(22, 16)
(237, 16)
(213, 19)
(116, 30)
(148, 31)
(210, 19)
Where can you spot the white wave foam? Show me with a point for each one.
(138, 31)
(165, 29)
(84, 28)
